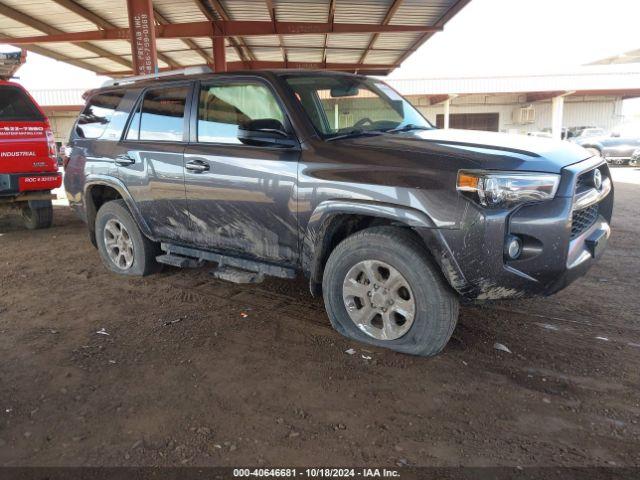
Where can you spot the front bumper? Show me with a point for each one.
(12, 184)
(558, 247)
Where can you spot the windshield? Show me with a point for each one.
(339, 105)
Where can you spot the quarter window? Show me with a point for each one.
(97, 114)
(160, 116)
(224, 109)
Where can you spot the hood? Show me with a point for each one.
(485, 150)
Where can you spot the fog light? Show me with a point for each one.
(513, 247)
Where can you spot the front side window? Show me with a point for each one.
(225, 110)
(96, 116)
(341, 104)
(160, 117)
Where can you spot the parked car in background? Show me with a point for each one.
(583, 133)
(540, 134)
(616, 148)
(391, 220)
(28, 157)
(635, 158)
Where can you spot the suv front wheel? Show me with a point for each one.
(380, 288)
(122, 246)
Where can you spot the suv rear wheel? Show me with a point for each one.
(37, 214)
(380, 288)
(122, 246)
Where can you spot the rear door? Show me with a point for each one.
(241, 195)
(24, 134)
(150, 160)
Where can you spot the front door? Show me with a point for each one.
(150, 161)
(241, 194)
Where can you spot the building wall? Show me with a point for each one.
(597, 111)
(61, 123)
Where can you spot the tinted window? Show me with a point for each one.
(224, 109)
(161, 115)
(16, 105)
(97, 114)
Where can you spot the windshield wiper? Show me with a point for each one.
(358, 132)
(406, 128)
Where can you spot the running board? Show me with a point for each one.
(179, 261)
(236, 275)
(228, 261)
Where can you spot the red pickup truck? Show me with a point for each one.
(28, 160)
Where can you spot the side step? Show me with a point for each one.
(236, 275)
(178, 261)
(226, 262)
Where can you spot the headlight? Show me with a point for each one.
(494, 189)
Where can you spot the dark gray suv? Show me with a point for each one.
(338, 177)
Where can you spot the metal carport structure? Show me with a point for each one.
(121, 37)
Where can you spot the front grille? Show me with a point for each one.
(582, 220)
(585, 181)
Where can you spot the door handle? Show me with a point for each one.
(124, 160)
(197, 166)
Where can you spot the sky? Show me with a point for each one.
(488, 37)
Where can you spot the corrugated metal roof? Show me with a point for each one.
(28, 18)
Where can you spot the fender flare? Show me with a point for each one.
(119, 186)
(315, 239)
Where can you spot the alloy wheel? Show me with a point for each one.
(379, 300)
(118, 244)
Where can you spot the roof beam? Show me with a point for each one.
(266, 65)
(330, 18)
(258, 47)
(85, 13)
(102, 23)
(45, 52)
(387, 18)
(162, 20)
(272, 13)
(211, 8)
(45, 28)
(224, 29)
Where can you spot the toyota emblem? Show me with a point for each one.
(597, 179)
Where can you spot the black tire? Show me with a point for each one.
(38, 214)
(436, 305)
(144, 250)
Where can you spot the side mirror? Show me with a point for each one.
(265, 132)
(615, 134)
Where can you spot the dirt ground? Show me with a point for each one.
(194, 371)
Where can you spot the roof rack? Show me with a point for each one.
(170, 73)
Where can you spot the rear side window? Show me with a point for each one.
(224, 109)
(160, 116)
(96, 116)
(15, 105)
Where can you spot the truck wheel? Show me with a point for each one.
(122, 246)
(381, 288)
(38, 214)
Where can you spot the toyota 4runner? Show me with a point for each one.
(28, 157)
(339, 177)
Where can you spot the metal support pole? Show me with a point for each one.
(219, 54)
(447, 109)
(143, 36)
(557, 109)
